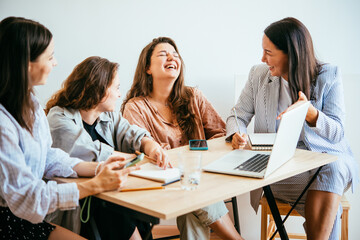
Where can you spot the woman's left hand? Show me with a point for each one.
(311, 115)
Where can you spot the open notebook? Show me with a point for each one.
(153, 172)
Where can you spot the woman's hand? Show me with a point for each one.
(112, 176)
(123, 155)
(154, 150)
(311, 115)
(239, 141)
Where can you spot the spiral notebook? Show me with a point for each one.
(153, 172)
(262, 141)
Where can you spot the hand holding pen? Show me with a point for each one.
(155, 152)
(156, 161)
(239, 140)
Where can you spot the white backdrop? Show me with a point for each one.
(217, 40)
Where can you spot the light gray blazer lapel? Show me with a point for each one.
(271, 101)
(266, 107)
(104, 129)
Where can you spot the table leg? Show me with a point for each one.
(236, 214)
(298, 199)
(275, 212)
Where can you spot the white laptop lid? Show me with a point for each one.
(287, 137)
(284, 148)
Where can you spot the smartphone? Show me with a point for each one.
(134, 161)
(198, 144)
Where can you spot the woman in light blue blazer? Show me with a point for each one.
(292, 74)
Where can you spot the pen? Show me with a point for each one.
(165, 184)
(150, 158)
(236, 119)
(140, 189)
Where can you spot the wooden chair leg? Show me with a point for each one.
(264, 221)
(271, 227)
(344, 225)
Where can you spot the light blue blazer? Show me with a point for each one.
(260, 98)
(69, 134)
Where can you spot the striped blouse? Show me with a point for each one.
(25, 160)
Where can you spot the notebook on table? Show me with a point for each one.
(153, 172)
(261, 164)
(262, 141)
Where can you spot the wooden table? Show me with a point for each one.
(171, 202)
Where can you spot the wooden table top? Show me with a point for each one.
(173, 201)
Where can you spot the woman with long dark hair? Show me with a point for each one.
(174, 113)
(26, 156)
(293, 75)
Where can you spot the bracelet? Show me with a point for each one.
(97, 167)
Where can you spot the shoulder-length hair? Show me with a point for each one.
(180, 98)
(21, 41)
(86, 86)
(293, 38)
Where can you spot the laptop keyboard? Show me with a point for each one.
(256, 163)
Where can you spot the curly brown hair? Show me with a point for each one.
(180, 96)
(86, 86)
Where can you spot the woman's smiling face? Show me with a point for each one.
(165, 62)
(276, 59)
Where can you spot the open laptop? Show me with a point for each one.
(260, 164)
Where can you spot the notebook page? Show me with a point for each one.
(153, 172)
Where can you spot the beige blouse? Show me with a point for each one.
(141, 112)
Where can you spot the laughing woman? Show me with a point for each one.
(173, 113)
(293, 75)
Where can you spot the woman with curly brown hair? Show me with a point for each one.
(84, 122)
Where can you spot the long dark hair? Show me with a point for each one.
(86, 86)
(293, 38)
(180, 96)
(21, 41)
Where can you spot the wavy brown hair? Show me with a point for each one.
(180, 96)
(86, 86)
(293, 38)
(21, 41)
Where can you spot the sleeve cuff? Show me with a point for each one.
(68, 196)
(232, 128)
(137, 143)
(319, 123)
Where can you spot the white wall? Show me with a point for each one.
(216, 39)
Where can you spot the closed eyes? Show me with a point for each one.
(164, 54)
